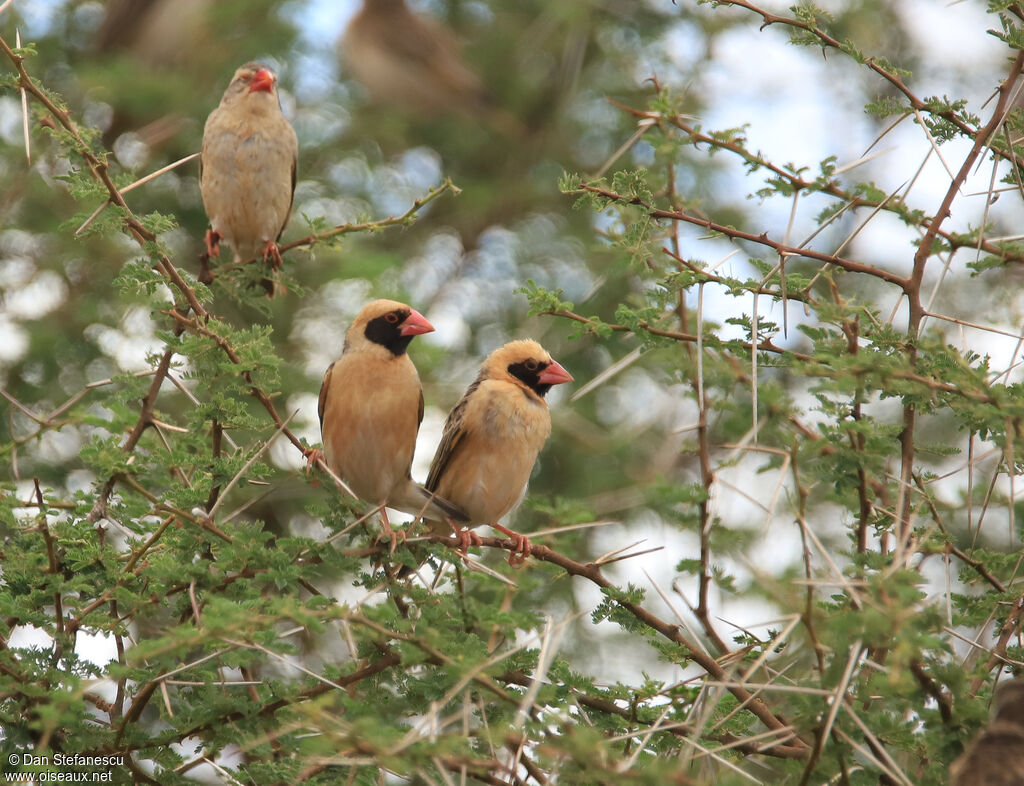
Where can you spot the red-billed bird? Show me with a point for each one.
(247, 169)
(492, 438)
(371, 405)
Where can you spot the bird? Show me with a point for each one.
(412, 62)
(996, 756)
(147, 41)
(491, 440)
(1009, 702)
(409, 60)
(370, 408)
(160, 34)
(247, 167)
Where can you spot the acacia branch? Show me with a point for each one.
(99, 508)
(829, 187)
(592, 572)
(764, 346)
(998, 653)
(681, 730)
(871, 63)
(912, 289)
(735, 234)
(203, 329)
(309, 241)
(981, 138)
(405, 219)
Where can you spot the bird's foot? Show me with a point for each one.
(521, 546)
(391, 534)
(272, 254)
(213, 239)
(312, 456)
(465, 537)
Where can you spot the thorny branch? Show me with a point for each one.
(201, 322)
(830, 187)
(761, 239)
(788, 743)
(888, 74)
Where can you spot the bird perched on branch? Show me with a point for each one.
(492, 437)
(412, 62)
(996, 756)
(247, 167)
(371, 405)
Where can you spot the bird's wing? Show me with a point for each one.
(323, 394)
(419, 422)
(291, 197)
(454, 431)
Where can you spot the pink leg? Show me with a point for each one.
(521, 548)
(213, 239)
(392, 535)
(312, 455)
(272, 254)
(466, 537)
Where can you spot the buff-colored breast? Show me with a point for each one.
(505, 429)
(249, 151)
(370, 422)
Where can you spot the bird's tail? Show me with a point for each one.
(435, 511)
(417, 501)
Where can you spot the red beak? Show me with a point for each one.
(262, 80)
(554, 374)
(415, 324)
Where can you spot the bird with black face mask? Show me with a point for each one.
(247, 167)
(996, 756)
(371, 406)
(492, 437)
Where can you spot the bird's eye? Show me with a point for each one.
(392, 318)
(531, 364)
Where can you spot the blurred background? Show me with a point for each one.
(501, 96)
